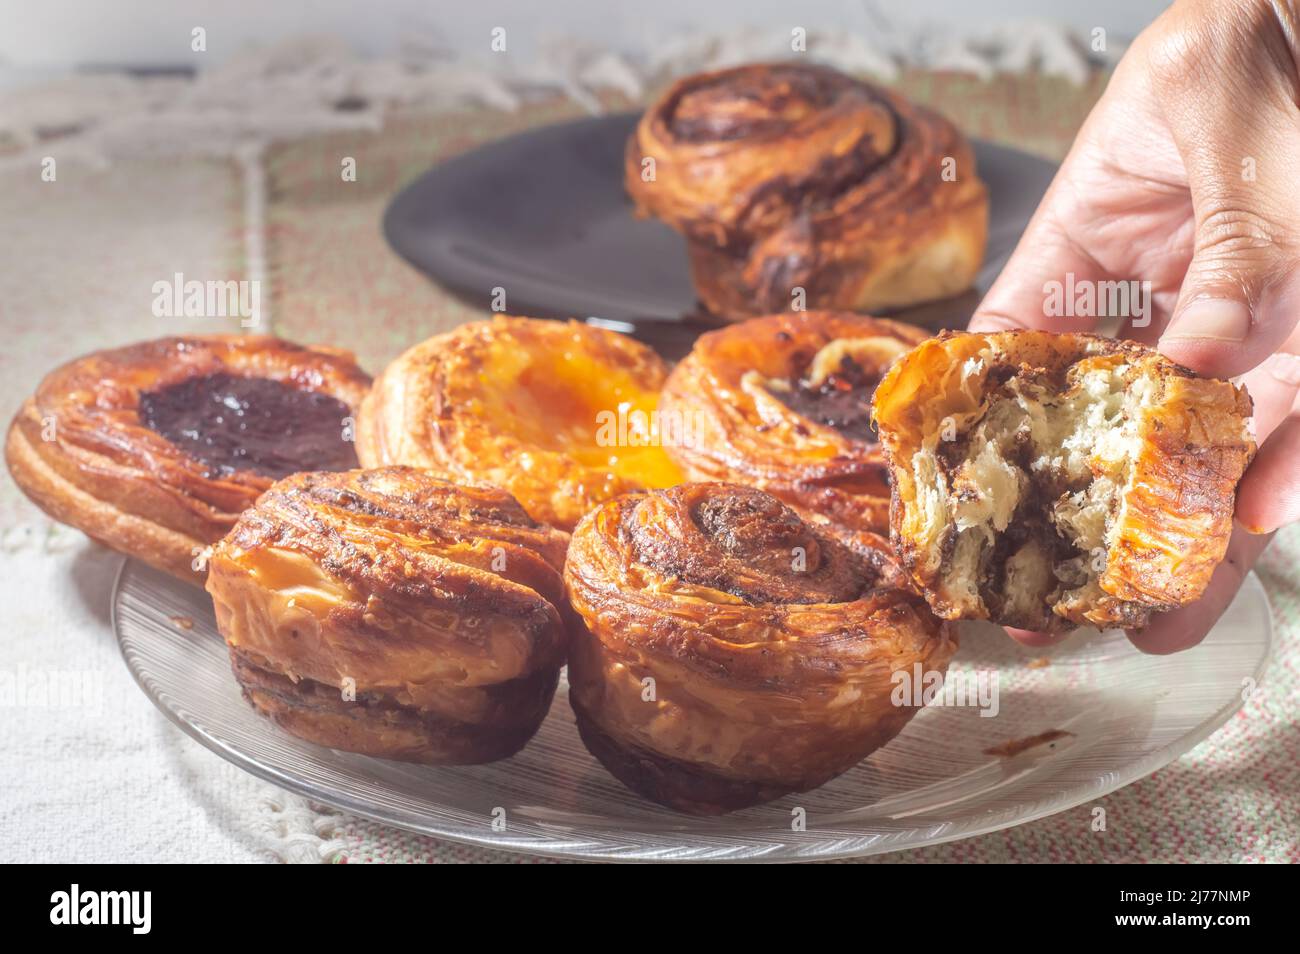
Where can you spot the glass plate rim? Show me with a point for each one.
(862, 846)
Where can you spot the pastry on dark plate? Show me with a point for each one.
(791, 177)
(1046, 481)
(392, 613)
(732, 653)
(783, 403)
(154, 449)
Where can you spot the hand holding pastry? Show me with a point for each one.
(1190, 185)
(733, 653)
(1046, 481)
(395, 614)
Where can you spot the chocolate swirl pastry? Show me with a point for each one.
(783, 403)
(784, 177)
(561, 414)
(731, 652)
(154, 449)
(1047, 481)
(395, 614)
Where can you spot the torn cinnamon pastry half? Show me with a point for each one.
(391, 613)
(155, 449)
(1046, 481)
(783, 403)
(561, 414)
(792, 179)
(731, 653)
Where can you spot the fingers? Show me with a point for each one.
(1274, 389)
(1269, 495)
(1048, 252)
(1186, 626)
(1027, 637)
(1045, 253)
(1116, 214)
(1225, 78)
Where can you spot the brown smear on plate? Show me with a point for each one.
(1014, 747)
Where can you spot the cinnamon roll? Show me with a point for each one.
(154, 449)
(785, 177)
(1046, 481)
(783, 403)
(391, 613)
(562, 415)
(731, 652)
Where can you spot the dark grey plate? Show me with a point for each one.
(544, 216)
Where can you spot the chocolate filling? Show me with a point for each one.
(842, 401)
(750, 545)
(232, 424)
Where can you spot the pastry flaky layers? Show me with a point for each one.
(562, 415)
(786, 177)
(783, 403)
(154, 449)
(1045, 481)
(731, 653)
(395, 614)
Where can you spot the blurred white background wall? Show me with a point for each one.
(37, 36)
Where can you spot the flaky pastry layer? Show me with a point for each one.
(1046, 481)
(789, 177)
(731, 652)
(79, 449)
(782, 403)
(389, 612)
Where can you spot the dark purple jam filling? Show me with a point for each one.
(234, 424)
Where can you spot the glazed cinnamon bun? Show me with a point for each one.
(154, 449)
(731, 653)
(785, 177)
(562, 415)
(783, 404)
(1046, 481)
(395, 614)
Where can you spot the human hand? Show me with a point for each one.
(1187, 175)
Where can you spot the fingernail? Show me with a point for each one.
(1211, 319)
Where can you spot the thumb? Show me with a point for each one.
(1239, 137)
(1240, 299)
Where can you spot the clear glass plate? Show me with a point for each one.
(1126, 714)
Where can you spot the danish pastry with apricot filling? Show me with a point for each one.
(395, 614)
(154, 449)
(783, 403)
(562, 415)
(732, 653)
(1046, 481)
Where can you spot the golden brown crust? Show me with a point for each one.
(376, 724)
(769, 647)
(80, 450)
(756, 397)
(523, 404)
(435, 606)
(1174, 447)
(789, 176)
